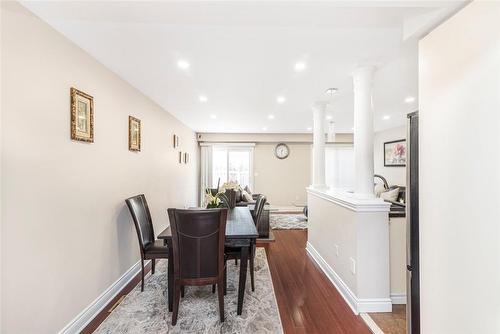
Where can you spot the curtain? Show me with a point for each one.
(205, 170)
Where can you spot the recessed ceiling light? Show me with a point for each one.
(329, 117)
(386, 117)
(183, 64)
(299, 66)
(213, 116)
(270, 116)
(280, 99)
(409, 99)
(264, 128)
(309, 128)
(203, 98)
(352, 128)
(331, 91)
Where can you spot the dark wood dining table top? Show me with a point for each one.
(239, 225)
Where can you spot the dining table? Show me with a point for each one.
(240, 232)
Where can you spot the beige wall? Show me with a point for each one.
(394, 175)
(66, 233)
(283, 181)
(459, 180)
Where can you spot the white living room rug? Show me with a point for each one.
(285, 221)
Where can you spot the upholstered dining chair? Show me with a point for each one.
(234, 252)
(150, 248)
(198, 238)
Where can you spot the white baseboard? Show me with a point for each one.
(398, 298)
(90, 312)
(358, 305)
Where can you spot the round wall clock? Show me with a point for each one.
(281, 151)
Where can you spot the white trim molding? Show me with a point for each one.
(398, 298)
(358, 305)
(90, 312)
(350, 201)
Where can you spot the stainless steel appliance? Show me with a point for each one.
(412, 240)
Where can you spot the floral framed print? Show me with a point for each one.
(82, 116)
(395, 153)
(134, 134)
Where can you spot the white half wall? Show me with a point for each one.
(349, 239)
(67, 235)
(459, 121)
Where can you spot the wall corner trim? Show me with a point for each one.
(358, 305)
(349, 201)
(90, 312)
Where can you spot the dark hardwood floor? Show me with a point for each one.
(307, 300)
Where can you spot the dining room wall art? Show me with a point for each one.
(82, 116)
(134, 134)
(175, 141)
(186, 157)
(395, 153)
(180, 157)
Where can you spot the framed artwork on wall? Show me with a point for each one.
(186, 158)
(395, 153)
(180, 157)
(134, 134)
(82, 116)
(176, 141)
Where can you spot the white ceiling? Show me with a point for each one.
(242, 55)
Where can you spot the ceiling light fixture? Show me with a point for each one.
(331, 91)
(309, 128)
(280, 99)
(213, 116)
(386, 117)
(271, 116)
(264, 128)
(329, 117)
(409, 99)
(299, 66)
(203, 98)
(183, 64)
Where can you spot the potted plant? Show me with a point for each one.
(219, 200)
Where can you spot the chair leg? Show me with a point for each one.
(220, 289)
(213, 288)
(153, 262)
(175, 312)
(225, 280)
(182, 291)
(142, 274)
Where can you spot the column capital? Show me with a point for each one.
(319, 105)
(365, 71)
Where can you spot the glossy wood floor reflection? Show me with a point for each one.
(307, 300)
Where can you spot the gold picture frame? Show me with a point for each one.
(82, 116)
(134, 134)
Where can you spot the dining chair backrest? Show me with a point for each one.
(198, 242)
(142, 220)
(259, 208)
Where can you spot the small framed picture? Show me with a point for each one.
(176, 141)
(186, 158)
(395, 153)
(180, 157)
(82, 116)
(134, 134)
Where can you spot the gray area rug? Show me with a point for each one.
(146, 312)
(283, 221)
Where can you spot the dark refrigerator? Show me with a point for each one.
(412, 228)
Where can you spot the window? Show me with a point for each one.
(339, 171)
(232, 163)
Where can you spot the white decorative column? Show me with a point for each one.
(319, 146)
(363, 131)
